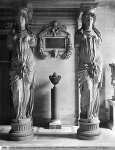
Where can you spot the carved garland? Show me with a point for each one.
(54, 31)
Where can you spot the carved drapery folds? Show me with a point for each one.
(21, 41)
(88, 40)
(54, 41)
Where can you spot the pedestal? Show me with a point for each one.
(88, 130)
(112, 113)
(55, 122)
(21, 129)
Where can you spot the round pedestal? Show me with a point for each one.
(21, 129)
(55, 124)
(88, 130)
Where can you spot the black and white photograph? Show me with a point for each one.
(57, 74)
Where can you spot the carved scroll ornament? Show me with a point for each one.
(54, 41)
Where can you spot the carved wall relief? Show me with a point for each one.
(54, 41)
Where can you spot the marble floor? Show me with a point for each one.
(61, 139)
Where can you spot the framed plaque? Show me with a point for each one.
(54, 41)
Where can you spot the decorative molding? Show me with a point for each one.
(21, 129)
(62, 4)
(88, 130)
(54, 33)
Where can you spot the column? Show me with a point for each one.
(55, 121)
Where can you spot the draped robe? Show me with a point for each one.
(22, 72)
(90, 73)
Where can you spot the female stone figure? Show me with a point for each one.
(22, 42)
(90, 67)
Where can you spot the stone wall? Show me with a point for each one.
(65, 68)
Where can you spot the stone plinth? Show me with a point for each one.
(55, 121)
(21, 129)
(55, 124)
(112, 112)
(88, 130)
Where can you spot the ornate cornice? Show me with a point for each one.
(62, 4)
(49, 3)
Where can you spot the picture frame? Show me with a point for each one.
(54, 41)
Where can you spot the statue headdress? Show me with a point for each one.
(27, 13)
(89, 13)
(92, 14)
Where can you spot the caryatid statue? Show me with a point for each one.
(22, 43)
(88, 40)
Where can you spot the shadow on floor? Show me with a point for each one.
(4, 136)
(62, 135)
(106, 124)
(4, 133)
(42, 122)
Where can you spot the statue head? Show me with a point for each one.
(24, 17)
(88, 20)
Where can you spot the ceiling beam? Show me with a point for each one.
(63, 3)
(49, 3)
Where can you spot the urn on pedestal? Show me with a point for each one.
(55, 121)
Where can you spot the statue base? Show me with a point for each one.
(88, 130)
(21, 129)
(55, 124)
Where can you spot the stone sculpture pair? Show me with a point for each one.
(22, 42)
